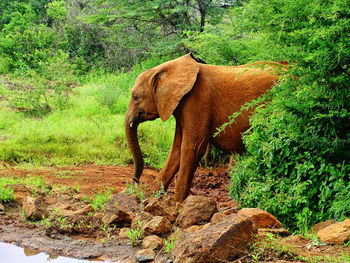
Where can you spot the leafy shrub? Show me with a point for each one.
(170, 243)
(135, 235)
(297, 160)
(139, 190)
(56, 10)
(43, 91)
(6, 191)
(5, 65)
(99, 199)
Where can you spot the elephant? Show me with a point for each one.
(200, 97)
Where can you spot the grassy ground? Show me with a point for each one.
(90, 128)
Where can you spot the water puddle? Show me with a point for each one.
(12, 254)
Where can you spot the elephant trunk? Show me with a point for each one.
(133, 142)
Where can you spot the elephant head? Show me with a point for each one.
(156, 93)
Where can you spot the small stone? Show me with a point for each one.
(21, 192)
(118, 216)
(122, 233)
(145, 255)
(261, 218)
(163, 206)
(82, 211)
(335, 234)
(157, 225)
(196, 209)
(127, 202)
(35, 208)
(142, 217)
(152, 242)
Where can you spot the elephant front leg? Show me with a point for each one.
(172, 164)
(191, 153)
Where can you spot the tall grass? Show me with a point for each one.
(89, 130)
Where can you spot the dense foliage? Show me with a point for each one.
(297, 160)
(111, 34)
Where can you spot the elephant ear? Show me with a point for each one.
(171, 81)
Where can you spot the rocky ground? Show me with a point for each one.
(208, 227)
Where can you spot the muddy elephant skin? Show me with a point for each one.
(201, 97)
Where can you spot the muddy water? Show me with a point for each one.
(13, 254)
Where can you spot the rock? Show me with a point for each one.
(21, 192)
(206, 225)
(50, 201)
(317, 227)
(122, 233)
(220, 242)
(276, 231)
(35, 208)
(163, 206)
(145, 255)
(261, 218)
(219, 216)
(196, 209)
(335, 234)
(119, 216)
(115, 213)
(176, 233)
(193, 228)
(79, 197)
(82, 211)
(143, 217)
(127, 202)
(157, 225)
(152, 242)
(196, 228)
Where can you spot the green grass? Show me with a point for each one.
(34, 183)
(7, 194)
(99, 200)
(135, 235)
(89, 130)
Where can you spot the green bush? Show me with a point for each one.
(297, 160)
(41, 91)
(5, 65)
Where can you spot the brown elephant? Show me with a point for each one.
(201, 97)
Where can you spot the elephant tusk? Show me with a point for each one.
(130, 124)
